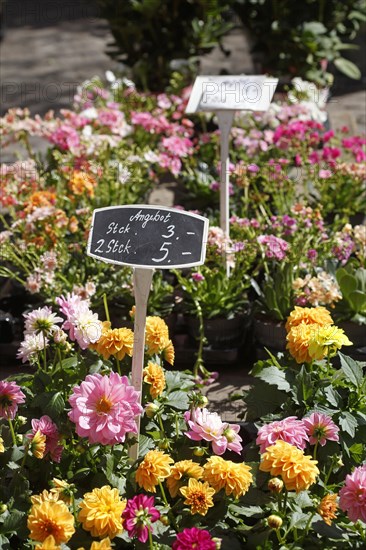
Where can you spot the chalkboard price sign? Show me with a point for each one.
(148, 237)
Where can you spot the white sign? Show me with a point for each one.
(232, 93)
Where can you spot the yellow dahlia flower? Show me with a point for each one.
(297, 470)
(62, 489)
(154, 376)
(328, 507)
(50, 518)
(38, 445)
(48, 544)
(104, 544)
(198, 496)
(308, 315)
(180, 472)
(156, 335)
(169, 353)
(101, 512)
(326, 341)
(154, 468)
(298, 339)
(117, 342)
(45, 496)
(235, 478)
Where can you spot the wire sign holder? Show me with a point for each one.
(224, 95)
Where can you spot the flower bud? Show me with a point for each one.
(80, 448)
(275, 485)
(217, 542)
(199, 451)
(230, 435)
(202, 401)
(151, 409)
(21, 420)
(274, 522)
(164, 445)
(165, 520)
(3, 508)
(19, 439)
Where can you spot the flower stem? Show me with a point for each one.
(106, 307)
(285, 501)
(170, 514)
(162, 431)
(315, 449)
(163, 494)
(150, 539)
(12, 432)
(118, 366)
(199, 360)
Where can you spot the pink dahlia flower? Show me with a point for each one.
(104, 408)
(352, 496)
(291, 430)
(10, 397)
(192, 538)
(139, 515)
(41, 320)
(209, 427)
(50, 430)
(320, 427)
(31, 346)
(83, 325)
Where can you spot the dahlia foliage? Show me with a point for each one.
(75, 420)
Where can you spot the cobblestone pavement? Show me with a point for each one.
(49, 47)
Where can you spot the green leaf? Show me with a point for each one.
(178, 400)
(357, 299)
(315, 27)
(356, 451)
(303, 499)
(145, 444)
(12, 522)
(274, 377)
(352, 369)
(299, 520)
(348, 68)
(70, 362)
(55, 405)
(247, 511)
(348, 423)
(348, 284)
(333, 396)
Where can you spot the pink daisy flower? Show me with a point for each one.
(48, 428)
(139, 515)
(209, 427)
(352, 496)
(10, 397)
(291, 430)
(320, 428)
(104, 408)
(192, 538)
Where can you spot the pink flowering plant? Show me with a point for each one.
(68, 421)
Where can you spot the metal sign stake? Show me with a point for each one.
(225, 120)
(142, 279)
